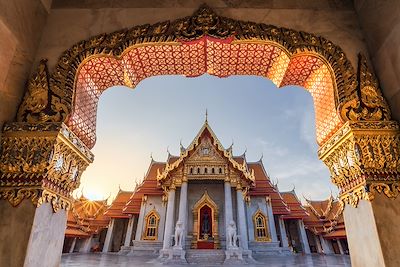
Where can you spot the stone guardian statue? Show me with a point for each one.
(179, 233)
(231, 235)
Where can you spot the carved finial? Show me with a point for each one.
(294, 188)
(151, 157)
(82, 193)
(275, 184)
(261, 158)
(306, 199)
(109, 195)
(206, 116)
(181, 146)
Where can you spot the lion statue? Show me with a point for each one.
(231, 235)
(179, 233)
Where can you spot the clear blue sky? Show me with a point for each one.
(132, 124)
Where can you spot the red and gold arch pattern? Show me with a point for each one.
(219, 57)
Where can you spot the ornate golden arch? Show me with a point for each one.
(54, 97)
(203, 201)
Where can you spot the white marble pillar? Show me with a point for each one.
(325, 246)
(183, 208)
(86, 246)
(242, 220)
(271, 221)
(228, 205)
(318, 244)
(169, 219)
(341, 250)
(129, 230)
(108, 240)
(139, 227)
(71, 249)
(284, 239)
(303, 237)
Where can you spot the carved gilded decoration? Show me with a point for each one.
(368, 102)
(61, 85)
(42, 162)
(197, 161)
(364, 159)
(152, 220)
(40, 103)
(260, 224)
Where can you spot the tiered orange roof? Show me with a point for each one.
(326, 218)
(264, 187)
(86, 217)
(297, 211)
(116, 208)
(147, 187)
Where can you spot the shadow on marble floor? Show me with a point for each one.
(110, 260)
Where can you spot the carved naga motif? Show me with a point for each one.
(40, 103)
(368, 103)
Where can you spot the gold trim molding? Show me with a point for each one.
(364, 160)
(42, 162)
(49, 96)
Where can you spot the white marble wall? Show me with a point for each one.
(153, 202)
(255, 204)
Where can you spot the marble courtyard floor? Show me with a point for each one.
(110, 260)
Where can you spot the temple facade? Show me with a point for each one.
(208, 198)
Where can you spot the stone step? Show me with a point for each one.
(205, 256)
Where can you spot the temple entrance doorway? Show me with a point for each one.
(205, 229)
(205, 224)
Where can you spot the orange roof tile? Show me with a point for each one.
(76, 233)
(336, 234)
(148, 186)
(326, 217)
(264, 187)
(297, 211)
(86, 216)
(116, 207)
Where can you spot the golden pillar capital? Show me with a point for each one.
(364, 159)
(42, 162)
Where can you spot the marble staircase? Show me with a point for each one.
(268, 249)
(205, 257)
(143, 248)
